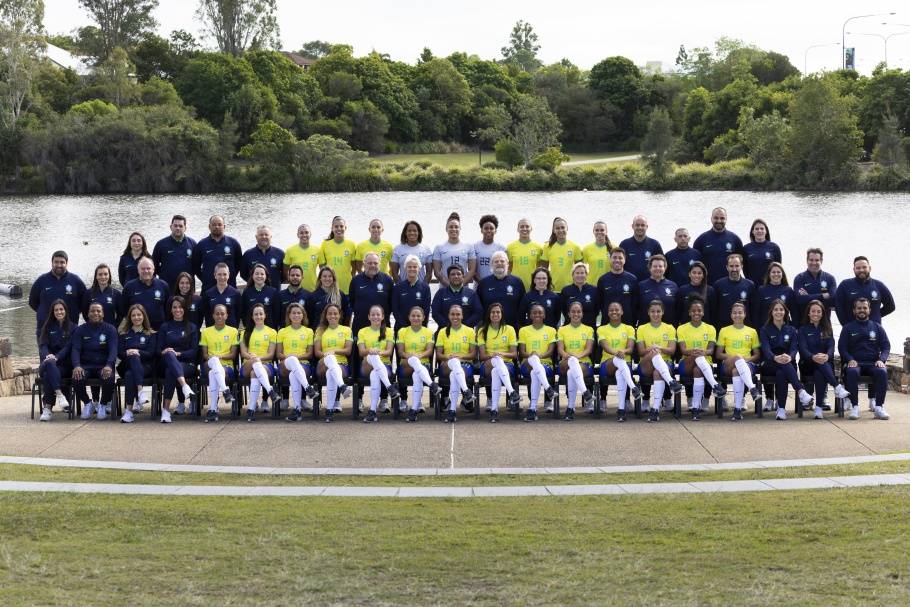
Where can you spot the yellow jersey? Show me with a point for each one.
(524, 257)
(415, 342)
(561, 258)
(339, 256)
(372, 338)
(598, 259)
(260, 340)
(574, 339)
(458, 341)
(617, 338)
(383, 249)
(537, 341)
(498, 342)
(219, 342)
(295, 342)
(334, 339)
(739, 342)
(307, 259)
(698, 337)
(662, 335)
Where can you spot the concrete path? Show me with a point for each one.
(468, 444)
(575, 163)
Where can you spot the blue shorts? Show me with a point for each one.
(525, 370)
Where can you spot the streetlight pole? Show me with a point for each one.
(843, 34)
(884, 39)
(806, 54)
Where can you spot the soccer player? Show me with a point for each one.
(814, 284)
(696, 284)
(524, 254)
(759, 252)
(374, 244)
(54, 347)
(456, 293)
(338, 253)
(93, 355)
(376, 342)
(779, 344)
(697, 340)
(136, 347)
(293, 293)
(220, 343)
(264, 254)
(597, 254)
(456, 350)
(734, 288)
(658, 287)
(502, 288)
(409, 292)
(498, 354)
(327, 293)
(582, 292)
(258, 343)
(415, 348)
(370, 288)
(541, 294)
(560, 254)
(173, 254)
(411, 244)
(619, 286)
(136, 249)
(222, 294)
(536, 347)
(453, 252)
(575, 344)
(639, 248)
(656, 343)
(486, 246)
(259, 292)
(716, 245)
(295, 355)
(333, 344)
(864, 348)
(617, 344)
(56, 284)
(305, 255)
(738, 349)
(881, 302)
(102, 292)
(774, 286)
(216, 248)
(150, 292)
(178, 347)
(816, 355)
(681, 258)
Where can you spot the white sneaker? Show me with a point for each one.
(62, 402)
(819, 412)
(107, 410)
(384, 406)
(265, 410)
(283, 406)
(770, 405)
(872, 404)
(549, 408)
(402, 406)
(87, 410)
(781, 414)
(45, 415)
(668, 404)
(137, 408)
(881, 414)
(840, 391)
(127, 417)
(589, 409)
(805, 399)
(854, 412)
(102, 412)
(306, 406)
(165, 416)
(181, 408)
(145, 395)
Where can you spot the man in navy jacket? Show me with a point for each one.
(864, 350)
(214, 249)
(881, 302)
(813, 284)
(639, 248)
(502, 288)
(456, 293)
(56, 284)
(147, 290)
(174, 254)
(716, 244)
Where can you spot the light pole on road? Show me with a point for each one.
(806, 54)
(843, 34)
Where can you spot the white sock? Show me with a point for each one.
(622, 368)
(622, 387)
(213, 392)
(657, 393)
(217, 371)
(296, 392)
(538, 371)
(698, 391)
(420, 370)
(495, 389)
(738, 392)
(499, 367)
(660, 365)
(263, 376)
(292, 364)
(416, 390)
(255, 389)
(745, 373)
(456, 375)
(702, 363)
(334, 379)
(380, 369)
(375, 384)
(535, 391)
(575, 373)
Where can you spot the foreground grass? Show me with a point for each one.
(812, 547)
(16, 472)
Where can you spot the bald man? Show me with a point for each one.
(639, 248)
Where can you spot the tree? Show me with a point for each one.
(657, 143)
(535, 128)
(618, 81)
(122, 23)
(493, 124)
(368, 126)
(115, 77)
(522, 47)
(164, 58)
(21, 28)
(297, 91)
(767, 139)
(238, 25)
(315, 49)
(390, 93)
(890, 151)
(444, 97)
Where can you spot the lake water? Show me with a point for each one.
(95, 229)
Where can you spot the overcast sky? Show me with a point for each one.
(583, 31)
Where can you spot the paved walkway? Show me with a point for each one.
(575, 163)
(469, 444)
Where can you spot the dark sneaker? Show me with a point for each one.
(588, 399)
(371, 417)
(494, 417)
(276, 398)
(250, 415)
(570, 414)
(531, 415)
(412, 416)
(194, 402)
(825, 407)
(295, 415)
(311, 392)
(696, 414)
(514, 399)
(620, 415)
(653, 415)
(549, 394)
(675, 387)
(755, 393)
(435, 390)
(450, 417)
(345, 392)
(737, 415)
(467, 400)
(228, 396)
(393, 391)
(719, 390)
(211, 416)
(636, 395)
(329, 416)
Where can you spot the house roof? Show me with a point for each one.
(300, 60)
(65, 59)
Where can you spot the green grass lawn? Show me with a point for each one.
(828, 547)
(469, 159)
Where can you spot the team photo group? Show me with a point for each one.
(458, 319)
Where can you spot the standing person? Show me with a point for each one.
(54, 347)
(524, 254)
(536, 348)
(497, 345)
(681, 258)
(305, 255)
(173, 254)
(541, 294)
(732, 289)
(295, 358)
(656, 343)
(575, 344)
(338, 253)
(411, 244)
(258, 343)
(411, 291)
(375, 343)
(502, 288)
(739, 349)
(136, 347)
(185, 288)
(415, 348)
(864, 347)
(456, 293)
(639, 248)
(374, 244)
(814, 284)
(456, 350)
(150, 292)
(774, 286)
(619, 286)
(293, 293)
(560, 254)
(697, 341)
(370, 288)
(716, 245)
(453, 252)
(264, 254)
(222, 294)
(816, 355)
(617, 344)
(779, 344)
(597, 253)
(220, 343)
(259, 292)
(178, 348)
(696, 285)
(759, 252)
(657, 287)
(59, 283)
(881, 302)
(582, 292)
(333, 344)
(102, 292)
(487, 246)
(136, 249)
(216, 248)
(93, 355)
(327, 292)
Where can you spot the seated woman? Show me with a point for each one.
(259, 292)
(295, 355)
(456, 349)
(375, 344)
(415, 347)
(186, 288)
(617, 343)
(697, 341)
(779, 344)
(94, 354)
(498, 353)
(258, 342)
(54, 353)
(536, 346)
(136, 347)
(541, 292)
(178, 347)
(738, 350)
(333, 344)
(575, 343)
(656, 342)
(220, 343)
(816, 355)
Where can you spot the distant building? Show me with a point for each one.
(302, 62)
(65, 60)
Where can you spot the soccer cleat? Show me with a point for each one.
(451, 418)
(165, 416)
(620, 415)
(412, 416)
(494, 417)
(402, 406)
(311, 392)
(393, 391)
(283, 405)
(675, 387)
(531, 415)
(228, 397)
(87, 410)
(329, 416)
(371, 417)
(467, 400)
(880, 413)
(276, 399)
(570, 414)
(250, 415)
(45, 415)
(819, 413)
(384, 406)
(102, 412)
(180, 410)
(667, 404)
(345, 391)
(435, 390)
(549, 407)
(305, 405)
(696, 414)
(653, 415)
(265, 409)
(295, 416)
(755, 393)
(549, 394)
(211, 416)
(127, 417)
(781, 414)
(514, 399)
(719, 390)
(854, 412)
(588, 399)
(737, 415)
